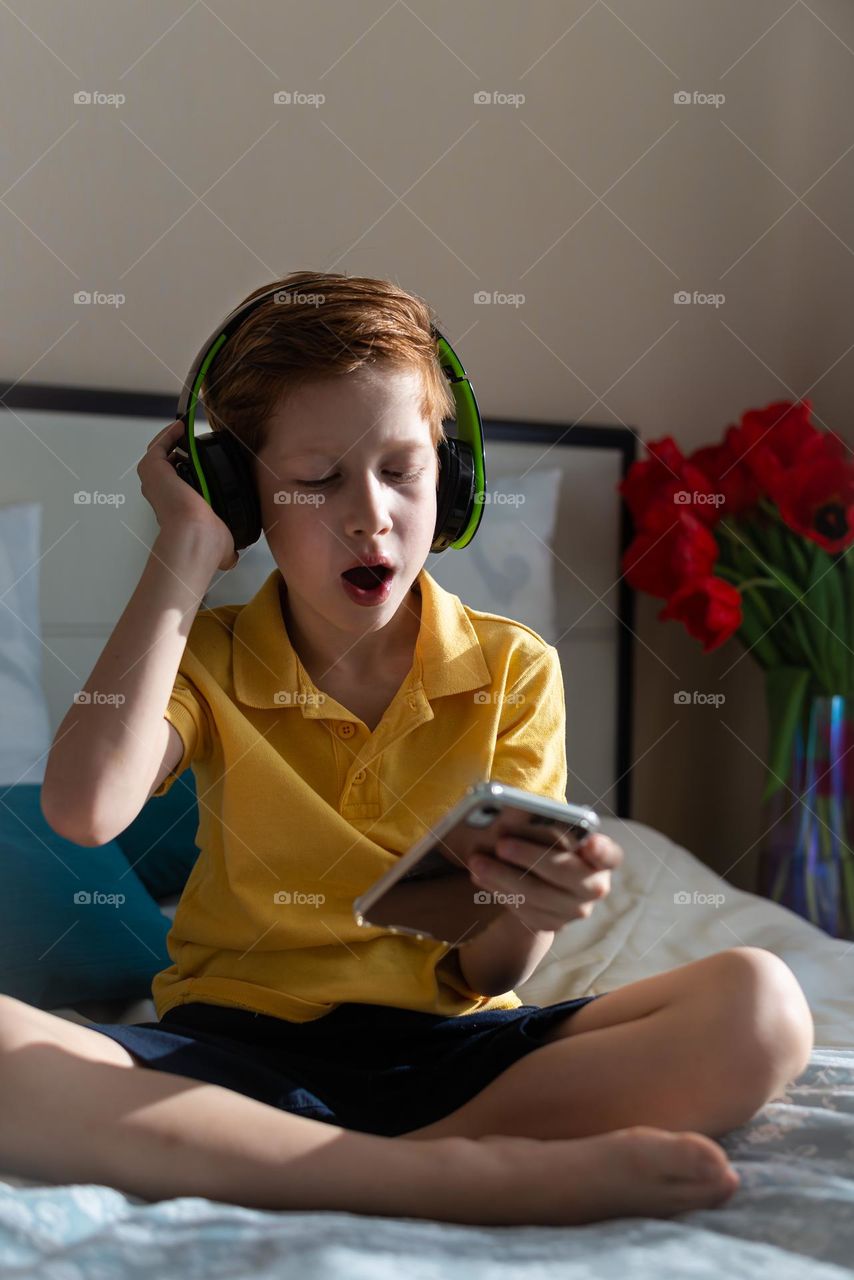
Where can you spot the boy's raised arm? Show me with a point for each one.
(110, 749)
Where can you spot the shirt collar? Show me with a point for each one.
(268, 672)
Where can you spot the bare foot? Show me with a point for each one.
(636, 1172)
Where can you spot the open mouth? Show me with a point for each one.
(368, 579)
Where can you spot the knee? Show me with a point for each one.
(12, 1036)
(770, 1022)
(14, 1019)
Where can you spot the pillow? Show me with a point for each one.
(160, 843)
(76, 923)
(506, 569)
(25, 734)
(238, 585)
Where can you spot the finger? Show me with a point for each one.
(601, 851)
(168, 435)
(595, 887)
(539, 885)
(564, 872)
(539, 894)
(556, 864)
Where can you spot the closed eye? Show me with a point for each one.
(401, 477)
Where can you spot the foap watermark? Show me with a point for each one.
(96, 698)
(83, 898)
(685, 899)
(298, 698)
(696, 98)
(284, 898)
(293, 297)
(689, 497)
(683, 298)
(484, 897)
(94, 498)
(497, 98)
(483, 298)
(685, 697)
(488, 696)
(500, 499)
(282, 497)
(94, 298)
(94, 98)
(296, 98)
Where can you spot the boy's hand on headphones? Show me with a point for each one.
(176, 503)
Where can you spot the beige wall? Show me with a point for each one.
(491, 197)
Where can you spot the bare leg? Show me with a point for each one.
(700, 1048)
(81, 1113)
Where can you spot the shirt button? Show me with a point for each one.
(345, 729)
(413, 702)
(360, 776)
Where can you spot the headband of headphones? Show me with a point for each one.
(218, 465)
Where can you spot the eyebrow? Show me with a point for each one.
(323, 447)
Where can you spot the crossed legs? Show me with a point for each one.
(702, 1047)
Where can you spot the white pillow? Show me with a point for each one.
(238, 585)
(506, 569)
(25, 735)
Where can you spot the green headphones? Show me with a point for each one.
(217, 465)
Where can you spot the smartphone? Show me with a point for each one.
(430, 893)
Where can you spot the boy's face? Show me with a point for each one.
(361, 433)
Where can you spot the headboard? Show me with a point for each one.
(59, 442)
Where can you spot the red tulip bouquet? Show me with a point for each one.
(752, 537)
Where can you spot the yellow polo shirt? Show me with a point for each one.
(302, 807)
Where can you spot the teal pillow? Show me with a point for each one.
(160, 843)
(76, 923)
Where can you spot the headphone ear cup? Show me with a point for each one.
(455, 496)
(234, 496)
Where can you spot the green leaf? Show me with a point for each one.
(754, 631)
(798, 549)
(824, 613)
(785, 691)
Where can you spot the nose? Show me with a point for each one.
(367, 510)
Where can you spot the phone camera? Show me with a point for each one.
(483, 816)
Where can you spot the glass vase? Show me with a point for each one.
(806, 859)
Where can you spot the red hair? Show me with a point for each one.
(321, 325)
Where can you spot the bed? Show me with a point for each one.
(793, 1213)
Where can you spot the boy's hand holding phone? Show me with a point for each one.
(549, 886)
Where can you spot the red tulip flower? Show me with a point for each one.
(672, 547)
(732, 513)
(659, 478)
(817, 500)
(709, 608)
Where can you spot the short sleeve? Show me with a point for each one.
(190, 715)
(530, 748)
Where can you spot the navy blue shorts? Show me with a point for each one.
(373, 1068)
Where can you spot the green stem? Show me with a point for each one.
(795, 542)
(782, 578)
(793, 613)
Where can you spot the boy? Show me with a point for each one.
(325, 733)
